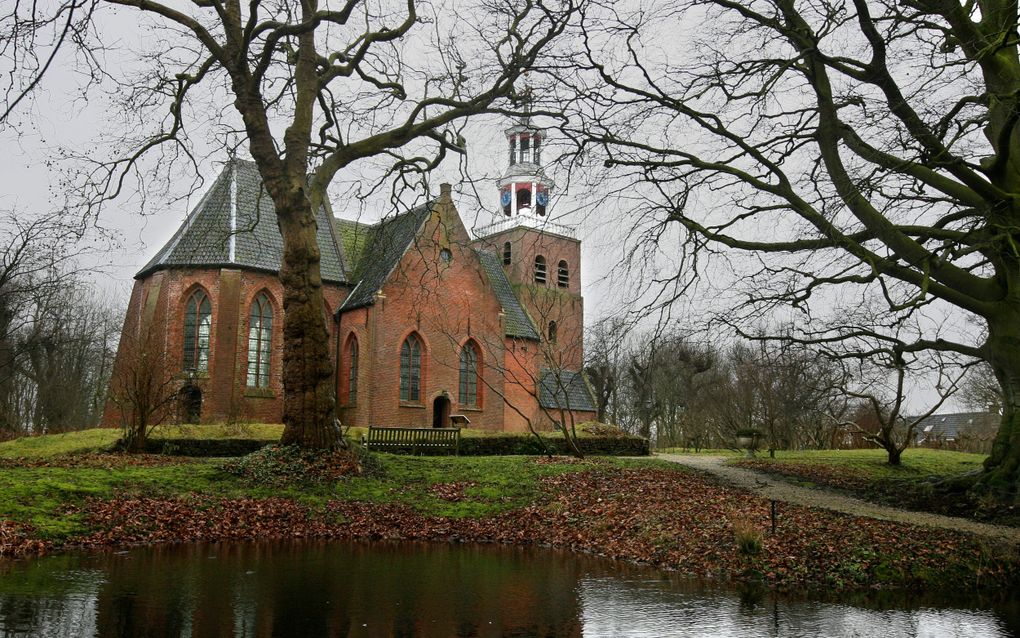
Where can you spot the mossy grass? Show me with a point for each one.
(47, 497)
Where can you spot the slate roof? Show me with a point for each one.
(947, 427)
(518, 324)
(386, 244)
(234, 225)
(570, 392)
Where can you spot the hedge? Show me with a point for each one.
(469, 446)
(206, 447)
(527, 444)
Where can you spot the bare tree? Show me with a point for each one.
(317, 86)
(880, 417)
(144, 390)
(865, 156)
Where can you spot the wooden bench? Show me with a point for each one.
(415, 441)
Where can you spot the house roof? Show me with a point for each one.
(564, 389)
(385, 244)
(949, 426)
(234, 225)
(518, 324)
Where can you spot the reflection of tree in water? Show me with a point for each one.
(411, 589)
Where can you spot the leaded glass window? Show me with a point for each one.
(352, 369)
(468, 375)
(410, 369)
(260, 341)
(197, 331)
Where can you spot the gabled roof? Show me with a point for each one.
(563, 389)
(353, 238)
(234, 225)
(947, 427)
(386, 244)
(518, 324)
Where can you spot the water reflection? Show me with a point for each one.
(360, 589)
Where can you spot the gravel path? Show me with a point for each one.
(780, 490)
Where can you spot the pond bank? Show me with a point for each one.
(773, 488)
(647, 512)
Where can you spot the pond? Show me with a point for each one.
(411, 589)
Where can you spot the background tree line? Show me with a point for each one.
(686, 390)
(58, 332)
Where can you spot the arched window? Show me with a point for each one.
(469, 375)
(539, 269)
(410, 369)
(552, 332)
(508, 254)
(562, 275)
(197, 328)
(524, 198)
(260, 341)
(352, 369)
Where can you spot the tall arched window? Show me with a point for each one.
(552, 332)
(539, 269)
(508, 253)
(197, 328)
(468, 375)
(352, 369)
(260, 341)
(410, 369)
(562, 275)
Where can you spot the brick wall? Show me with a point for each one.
(445, 305)
(547, 302)
(155, 316)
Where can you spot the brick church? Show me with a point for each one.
(426, 320)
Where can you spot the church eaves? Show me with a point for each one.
(234, 226)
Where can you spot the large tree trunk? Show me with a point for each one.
(1002, 349)
(308, 397)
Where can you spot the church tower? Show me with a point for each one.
(542, 258)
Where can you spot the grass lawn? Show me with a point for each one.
(44, 497)
(915, 462)
(921, 482)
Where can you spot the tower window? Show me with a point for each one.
(524, 198)
(540, 270)
(562, 275)
(260, 341)
(552, 332)
(513, 149)
(197, 328)
(525, 148)
(507, 254)
(538, 150)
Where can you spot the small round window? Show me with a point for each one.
(446, 255)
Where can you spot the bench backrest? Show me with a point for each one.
(414, 439)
